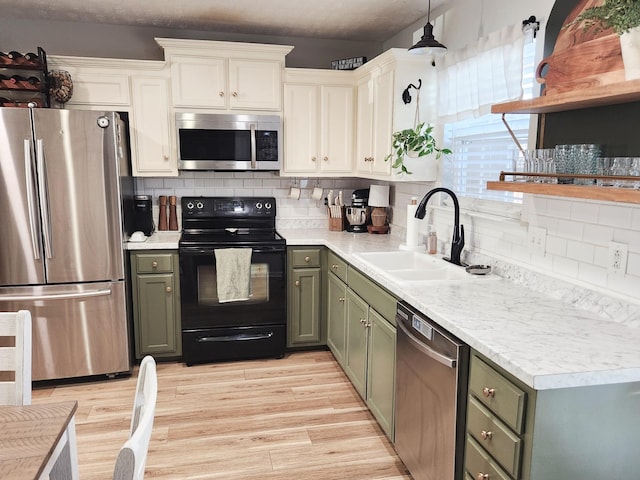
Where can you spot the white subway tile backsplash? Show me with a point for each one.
(570, 230)
(592, 274)
(566, 267)
(597, 234)
(633, 265)
(615, 216)
(557, 208)
(556, 246)
(582, 252)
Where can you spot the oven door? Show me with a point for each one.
(214, 331)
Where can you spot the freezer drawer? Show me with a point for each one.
(78, 330)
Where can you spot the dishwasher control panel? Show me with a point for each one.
(422, 327)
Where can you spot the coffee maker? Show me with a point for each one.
(143, 214)
(358, 212)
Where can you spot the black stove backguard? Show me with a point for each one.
(255, 328)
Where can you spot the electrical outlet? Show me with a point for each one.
(618, 253)
(537, 237)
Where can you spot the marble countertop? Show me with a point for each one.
(543, 341)
(157, 241)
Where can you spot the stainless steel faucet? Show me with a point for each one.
(457, 242)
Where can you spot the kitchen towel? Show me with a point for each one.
(233, 266)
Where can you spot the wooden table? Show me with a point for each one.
(38, 441)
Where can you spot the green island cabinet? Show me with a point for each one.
(514, 432)
(156, 303)
(362, 336)
(305, 310)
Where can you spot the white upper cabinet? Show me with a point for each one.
(225, 75)
(381, 111)
(319, 123)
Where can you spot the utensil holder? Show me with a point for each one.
(337, 224)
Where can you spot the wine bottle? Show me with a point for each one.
(4, 58)
(32, 57)
(15, 57)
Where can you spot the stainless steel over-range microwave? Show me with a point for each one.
(229, 142)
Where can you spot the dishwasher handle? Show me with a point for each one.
(438, 357)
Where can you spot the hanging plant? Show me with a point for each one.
(413, 142)
(620, 15)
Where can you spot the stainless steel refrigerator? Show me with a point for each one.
(61, 242)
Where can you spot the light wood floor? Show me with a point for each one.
(288, 419)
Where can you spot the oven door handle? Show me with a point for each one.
(235, 338)
(210, 251)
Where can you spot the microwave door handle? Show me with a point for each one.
(252, 127)
(31, 200)
(44, 198)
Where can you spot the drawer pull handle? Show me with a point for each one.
(168, 289)
(482, 476)
(154, 264)
(489, 392)
(486, 435)
(307, 259)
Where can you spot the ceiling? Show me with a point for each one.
(358, 20)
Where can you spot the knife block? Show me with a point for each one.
(337, 224)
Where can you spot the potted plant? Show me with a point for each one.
(413, 142)
(623, 16)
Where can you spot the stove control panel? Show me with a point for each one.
(216, 207)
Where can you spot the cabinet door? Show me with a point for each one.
(199, 82)
(155, 315)
(355, 364)
(301, 127)
(336, 129)
(150, 134)
(305, 306)
(336, 318)
(100, 87)
(382, 122)
(255, 84)
(364, 142)
(381, 370)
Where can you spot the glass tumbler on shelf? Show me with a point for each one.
(605, 169)
(585, 162)
(564, 162)
(546, 164)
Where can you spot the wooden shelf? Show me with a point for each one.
(615, 93)
(610, 194)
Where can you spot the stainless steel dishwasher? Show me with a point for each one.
(431, 387)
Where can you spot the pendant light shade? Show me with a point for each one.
(428, 45)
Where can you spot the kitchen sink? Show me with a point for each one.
(416, 267)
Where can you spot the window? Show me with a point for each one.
(482, 147)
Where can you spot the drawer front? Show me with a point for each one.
(380, 300)
(301, 258)
(337, 266)
(494, 436)
(479, 465)
(154, 263)
(497, 394)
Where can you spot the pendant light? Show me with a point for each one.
(428, 44)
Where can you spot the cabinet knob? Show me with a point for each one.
(313, 159)
(489, 392)
(166, 157)
(297, 283)
(154, 264)
(363, 321)
(235, 94)
(486, 435)
(482, 476)
(334, 266)
(221, 94)
(307, 259)
(341, 299)
(168, 289)
(326, 159)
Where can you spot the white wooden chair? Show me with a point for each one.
(133, 454)
(15, 361)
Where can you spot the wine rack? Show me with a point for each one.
(24, 79)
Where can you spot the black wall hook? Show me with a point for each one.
(531, 21)
(406, 96)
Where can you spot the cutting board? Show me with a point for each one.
(581, 58)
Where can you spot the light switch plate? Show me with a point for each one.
(537, 238)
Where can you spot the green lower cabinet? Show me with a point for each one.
(337, 317)
(355, 364)
(156, 304)
(381, 369)
(305, 307)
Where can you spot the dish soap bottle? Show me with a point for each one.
(432, 240)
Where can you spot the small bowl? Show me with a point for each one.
(478, 269)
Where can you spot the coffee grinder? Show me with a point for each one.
(358, 212)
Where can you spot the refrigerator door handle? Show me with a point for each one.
(44, 198)
(34, 229)
(56, 296)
